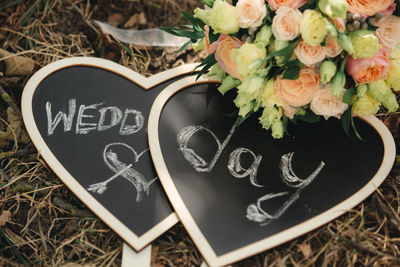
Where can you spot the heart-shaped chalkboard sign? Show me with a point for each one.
(88, 119)
(237, 190)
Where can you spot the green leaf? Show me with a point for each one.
(213, 37)
(343, 63)
(310, 5)
(243, 119)
(193, 36)
(372, 28)
(286, 52)
(397, 11)
(268, 16)
(348, 95)
(186, 45)
(310, 117)
(195, 22)
(355, 130)
(293, 70)
(206, 64)
(209, 3)
(294, 63)
(346, 121)
(292, 73)
(275, 71)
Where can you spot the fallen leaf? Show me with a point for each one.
(306, 250)
(142, 18)
(393, 124)
(132, 21)
(115, 19)
(17, 65)
(5, 217)
(14, 128)
(11, 81)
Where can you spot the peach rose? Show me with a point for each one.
(366, 70)
(298, 92)
(251, 13)
(308, 54)
(339, 24)
(368, 7)
(333, 47)
(289, 111)
(388, 31)
(275, 4)
(327, 105)
(286, 23)
(223, 53)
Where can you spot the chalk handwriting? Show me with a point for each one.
(257, 214)
(131, 129)
(90, 118)
(67, 119)
(254, 211)
(126, 171)
(236, 169)
(85, 127)
(116, 117)
(198, 163)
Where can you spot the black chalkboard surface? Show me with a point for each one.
(88, 118)
(237, 190)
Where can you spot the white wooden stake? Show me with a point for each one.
(131, 258)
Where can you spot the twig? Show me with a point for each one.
(69, 207)
(7, 98)
(15, 251)
(362, 248)
(388, 213)
(13, 154)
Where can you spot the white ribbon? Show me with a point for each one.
(148, 37)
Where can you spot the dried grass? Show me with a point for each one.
(49, 226)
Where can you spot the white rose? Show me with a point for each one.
(251, 13)
(327, 105)
(286, 23)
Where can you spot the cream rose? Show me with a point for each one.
(286, 23)
(251, 12)
(327, 105)
(388, 31)
(244, 56)
(298, 92)
(275, 4)
(308, 54)
(313, 27)
(333, 47)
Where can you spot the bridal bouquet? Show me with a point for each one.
(301, 59)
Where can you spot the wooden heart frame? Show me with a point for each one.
(137, 242)
(188, 221)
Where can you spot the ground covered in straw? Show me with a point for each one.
(43, 224)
